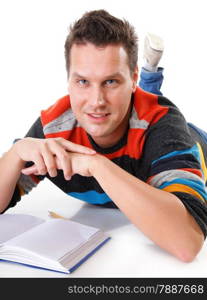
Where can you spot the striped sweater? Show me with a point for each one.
(159, 148)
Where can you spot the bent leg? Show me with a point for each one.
(151, 81)
(200, 131)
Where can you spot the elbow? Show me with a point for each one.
(186, 256)
(188, 253)
(3, 208)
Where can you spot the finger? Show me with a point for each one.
(65, 164)
(40, 164)
(30, 170)
(58, 164)
(50, 162)
(72, 147)
(56, 151)
(68, 174)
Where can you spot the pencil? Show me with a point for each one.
(55, 215)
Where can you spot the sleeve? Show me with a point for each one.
(174, 162)
(26, 183)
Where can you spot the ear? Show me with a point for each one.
(134, 79)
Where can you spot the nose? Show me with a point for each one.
(97, 97)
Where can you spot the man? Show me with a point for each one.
(111, 143)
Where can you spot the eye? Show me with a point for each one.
(82, 82)
(110, 81)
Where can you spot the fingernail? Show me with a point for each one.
(92, 151)
(53, 174)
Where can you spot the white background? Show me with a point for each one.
(33, 76)
(32, 66)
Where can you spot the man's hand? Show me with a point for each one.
(75, 163)
(49, 155)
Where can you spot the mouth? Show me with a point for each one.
(98, 116)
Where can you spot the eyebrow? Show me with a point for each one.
(117, 74)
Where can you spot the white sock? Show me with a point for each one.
(149, 67)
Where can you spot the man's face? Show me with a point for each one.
(100, 88)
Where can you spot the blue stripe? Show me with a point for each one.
(193, 151)
(197, 186)
(92, 197)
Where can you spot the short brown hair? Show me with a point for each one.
(100, 28)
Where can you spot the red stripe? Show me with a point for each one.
(78, 136)
(134, 146)
(147, 106)
(55, 110)
(194, 171)
(35, 179)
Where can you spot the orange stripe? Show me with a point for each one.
(176, 187)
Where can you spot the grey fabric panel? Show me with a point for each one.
(135, 122)
(170, 175)
(66, 121)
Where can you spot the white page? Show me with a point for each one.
(54, 238)
(12, 225)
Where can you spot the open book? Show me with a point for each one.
(53, 244)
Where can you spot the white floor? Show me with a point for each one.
(128, 254)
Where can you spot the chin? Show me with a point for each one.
(96, 133)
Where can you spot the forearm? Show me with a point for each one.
(158, 214)
(10, 169)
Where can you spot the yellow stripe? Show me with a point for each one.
(177, 187)
(203, 165)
